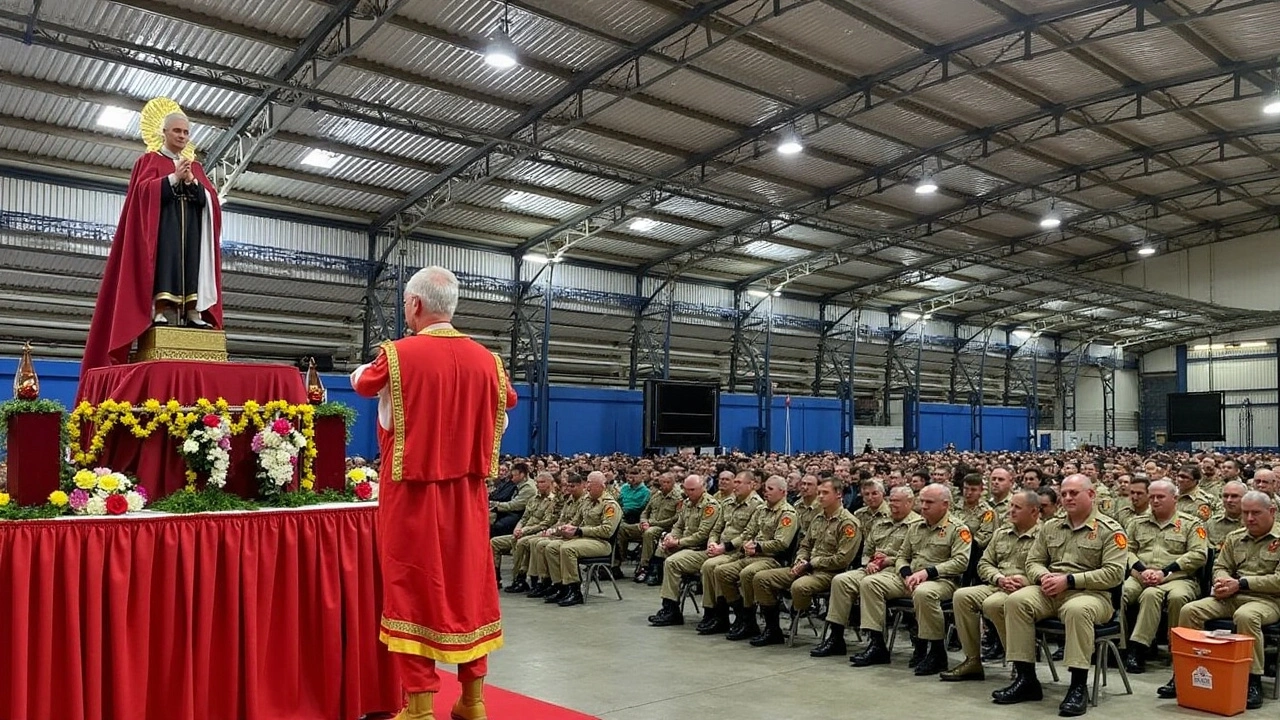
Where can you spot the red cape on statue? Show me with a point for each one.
(125, 300)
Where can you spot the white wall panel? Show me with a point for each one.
(1232, 374)
(1089, 406)
(1163, 360)
(1237, 273)
(1264, 427)
(460, 260)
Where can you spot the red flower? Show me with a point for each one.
(212, 420)
(117, 505)
(364, 490)
(281, 426)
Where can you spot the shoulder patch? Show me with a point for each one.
(850, 531)
(610, 510)
(785, 521)
(1200, 533)
(965, 535)
(1204, 512)
(1122, 542)
(988, 516)
(710, 510)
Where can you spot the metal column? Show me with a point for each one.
(750, 359)
(1107, 372)
(969, 363)
(651, 333)
(530, 340)
(836, 360)
(384, 291)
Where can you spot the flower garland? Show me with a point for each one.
(278, 446)
(207, 449)
(362, 482)
(102, 491)
(171, 417)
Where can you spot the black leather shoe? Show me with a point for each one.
(708, 618)
(719, 624)
(1253, 699)
(669, 615)
(617, 573)
(572, 597)
(1135, 659)
(558, 593)
(875, 653)
(934, 661)
(1167, 691)
(539, 589)
(917, 652)
(992, 651)
(745, 630)
(1076, 703)
(831, 646)
(518, 586)
(770, 636)
(654, 579)
(1024, 688)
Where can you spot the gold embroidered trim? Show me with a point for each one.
(442, 332)
(439, 638)
(453, 657)
(500, 420)
(397, 411)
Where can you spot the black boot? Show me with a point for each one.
(1076, 703)
(772, 634)
(1167, 691)
(744, 626)
(708, 617)
(572, 595)
(833, 644)
(556, 594)
(918, 648)
(617, 573)
(720, 619)
(655, 573)
(991, 647)
(1135, 658)
(518, 585)
(1253, 697)
(539, 588)
(1025, 686)
(669, 615)
(935, 659)
(876, 653)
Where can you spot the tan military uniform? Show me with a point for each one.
(1002, 509)
(570, 514)
(942, 550)
(805, 513)
(1093, 557)
(1104, 499)
(1127, 514)
(1179, 547)
(772, 529)
(1199, 504)
(867, 517)
(731, 530)
(660, 513)
(1256, 563)
(980, 519)
(538, 516)
(694, 524)
(884, 536)
(1213, 487)
(600, 518)
(829, 545)
(527, 490)
(1219, 527)
(1006, 556)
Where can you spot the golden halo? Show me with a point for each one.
(152, 124)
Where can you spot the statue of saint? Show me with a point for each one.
(164, 266)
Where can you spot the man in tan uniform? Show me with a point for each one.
(1073, 564)
(1166, 550)
(1003, 570)
(1000, 492)
(658, 516)
(975, 512)
(874, 507)
(539, 514)
(807, 505)
(684, 548)
(570, 514)
(725, 546)
(590, 537)
(770, 534)
(1192, 499)
(933, 556)
(879, 549)
(1139, 501)
(828, 547)
(1246, 586)
(1265, 481)
(1228, 520)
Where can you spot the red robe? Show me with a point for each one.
(125, 306)
(448, 397)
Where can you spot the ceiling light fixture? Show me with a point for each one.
(321, 159)
(643, 224)
(1273, 104)
(1146, 251)
(757, 292)
(910, 315)
(790, 144)
(927, 186)
(536, 258)
(116, 118)
(1022, 333)
(500, 53)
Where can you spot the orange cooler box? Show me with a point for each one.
(1211, 671)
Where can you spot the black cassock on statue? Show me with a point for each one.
(178, 242)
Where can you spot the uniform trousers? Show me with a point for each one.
(1079, 610)
(678, 565)
(1248, 611)
(710, 583)
(649, 543)
(734, 580)
(418, 674)
(1151, 604)
(627, 534)
(538, 556)
(969, 604)
(877, 590)
(562, 558)
(502, 545)
(770, 583)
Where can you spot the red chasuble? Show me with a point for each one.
(448, 398)
(125, 304)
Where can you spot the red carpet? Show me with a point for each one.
(503, 704)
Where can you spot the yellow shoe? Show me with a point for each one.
(421, 707)
(470, 706)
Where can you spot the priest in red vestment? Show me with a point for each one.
(164, 266)
(442, 402)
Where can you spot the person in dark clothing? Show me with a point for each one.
(508, 498)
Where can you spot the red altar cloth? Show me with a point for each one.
(258, 616)
(156, 461)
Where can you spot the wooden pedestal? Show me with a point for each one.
(175, 343)
(34, 464)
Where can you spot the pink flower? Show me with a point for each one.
(79, 498)
(100, 471)
(281, 426)
(364, 490)
(212, 420)
(225, 443)
(117, 505)
(141, 491)
(256, 443)
(293, 460)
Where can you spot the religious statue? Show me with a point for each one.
(164, 266)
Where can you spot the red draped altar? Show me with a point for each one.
(156, 461)
(257, 616)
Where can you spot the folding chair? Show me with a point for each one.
(1106, 639)
(593, 568)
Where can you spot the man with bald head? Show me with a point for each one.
(658, 517)
(933, 556)
(1228, 520)
(1264, 481)
(683, 550)
(1246, 586)
(1072, 565)
(591, 537)
(725, 546)
(769, 537)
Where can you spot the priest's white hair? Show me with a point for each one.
(168, 119)
(437, 288)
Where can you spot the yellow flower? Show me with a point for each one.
(110, 483)
(173, 406)
(357, 475)
(58, 498)
(86, 480)
(307, 484)
(4, 499)
(152, 405)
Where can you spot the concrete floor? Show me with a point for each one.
(604, 659)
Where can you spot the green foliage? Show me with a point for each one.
(331, 409)
(201, 501)
(303, 498)
(13, 511)
(9, 408)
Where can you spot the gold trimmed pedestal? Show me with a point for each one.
(176, 343)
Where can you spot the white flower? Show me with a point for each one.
(135, 501)
(299, 441)
(95, 506)
(374, 486)
(190, 446)
(124, 481)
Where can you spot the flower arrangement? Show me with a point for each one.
(207, 449)
(101, 491)
(362, 482)
(278, 446)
